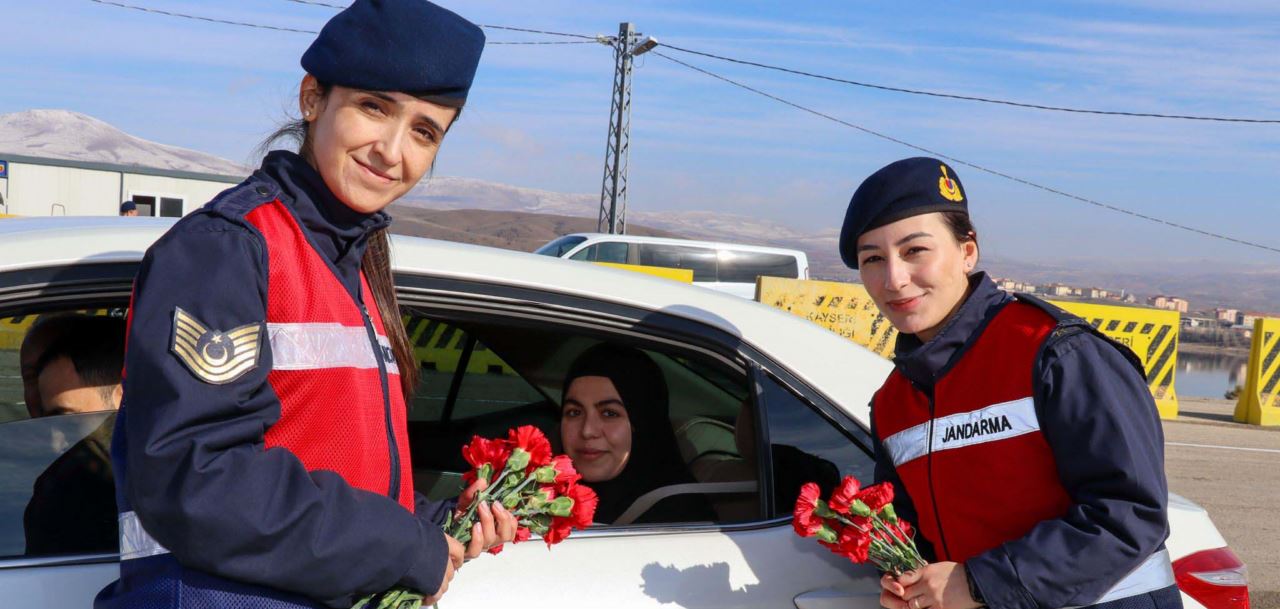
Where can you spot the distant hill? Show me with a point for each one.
(71, 136)
(513, 217)
(510, 230)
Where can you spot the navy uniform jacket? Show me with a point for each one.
(1103, 428)
(189, 456)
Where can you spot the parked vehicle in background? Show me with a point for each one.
(728, 267)
(760, 401)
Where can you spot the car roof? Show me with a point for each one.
(676, 241)
(845, 372)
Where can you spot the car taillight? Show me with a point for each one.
(1216, 578)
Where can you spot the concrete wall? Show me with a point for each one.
(39, 190)
(44, 190)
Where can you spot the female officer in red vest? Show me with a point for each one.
(1024, 444)
(261, 452)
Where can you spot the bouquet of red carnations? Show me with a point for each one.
(539, 489)
(859, 524)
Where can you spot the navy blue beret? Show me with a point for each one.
(128, 205)
(901, 189)
(409, 46)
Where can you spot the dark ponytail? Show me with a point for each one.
(376, 263)
(377, 270)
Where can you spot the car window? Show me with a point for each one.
(807, 447)
(610, 251)
(744, 267)
(701, 260)
(561, 246)
(486, 385)
(57, 495)
(519, 381)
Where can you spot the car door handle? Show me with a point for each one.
(837, 598)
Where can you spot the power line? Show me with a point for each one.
(985, 100)
(209, 19)
(968, 164)
(493, 27)
(144, 9)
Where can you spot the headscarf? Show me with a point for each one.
(655, 457)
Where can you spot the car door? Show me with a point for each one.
(34, 452)
(757, 561)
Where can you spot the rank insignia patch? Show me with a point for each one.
(949, 188)
(214, 356)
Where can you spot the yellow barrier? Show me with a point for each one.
(847, 310)
(1259, 402)
(682, 275)
(438, 346)
(1150, 333)
(843, 308)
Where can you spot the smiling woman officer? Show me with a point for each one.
(261, 452)
(1023, 443)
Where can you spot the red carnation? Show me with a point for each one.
(482, 451)
(854, 544)
(565, 472)
(585, 501)
(876, 496)
(844, 494)
(805, 523)
(584, 510)
(532, 440)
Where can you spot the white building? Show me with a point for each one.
(35, 186)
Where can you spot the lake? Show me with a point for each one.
(1209, 376)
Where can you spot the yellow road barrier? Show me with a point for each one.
(1259, 402)
(439, 346)
(843, 308)
(1150, 333)
(847, 310)
(681, 275)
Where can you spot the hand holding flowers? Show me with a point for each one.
(515, 488)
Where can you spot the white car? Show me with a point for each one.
(495, 331)
(728, 267)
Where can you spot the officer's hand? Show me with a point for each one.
(893, 588)
(940, 585)
(494, 527)
(494, 524)
(450, 567)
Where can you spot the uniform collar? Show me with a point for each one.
(924, 363)
(338, 231)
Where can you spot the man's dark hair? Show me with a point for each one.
(95, 346)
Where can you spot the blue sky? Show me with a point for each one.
(538, 115)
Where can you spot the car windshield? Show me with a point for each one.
(561, 246)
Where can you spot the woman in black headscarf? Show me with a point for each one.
(615, 426)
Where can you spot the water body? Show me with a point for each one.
(1209, 376)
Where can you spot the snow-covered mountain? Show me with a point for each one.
(66, 135)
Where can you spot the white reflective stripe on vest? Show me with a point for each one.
(1154, 573)
(317, 346)
(135, 541)
(991, 424)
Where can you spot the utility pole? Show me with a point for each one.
(613, 192)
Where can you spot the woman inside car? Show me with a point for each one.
(1024, 444)
(261, 452)
(615, 426)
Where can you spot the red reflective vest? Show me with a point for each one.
(972, 456)
(341, 408)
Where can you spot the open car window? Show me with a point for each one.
(485, 377)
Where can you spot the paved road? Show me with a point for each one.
(1232, 470)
